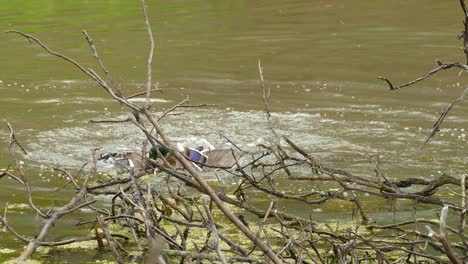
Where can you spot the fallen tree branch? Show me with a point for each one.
(442, 66)
(442, 236)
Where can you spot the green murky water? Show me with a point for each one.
(321, 59)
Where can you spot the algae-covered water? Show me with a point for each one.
(320, 58)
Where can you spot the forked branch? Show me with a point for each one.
(441, 67)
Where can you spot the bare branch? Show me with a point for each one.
(89, 72)
(143, 93)
(464, 34)
(96, 55)
(150, 56)
(174, 107)
(51, 220)
(11, 230)
(13, 140)
(442, 66)
(266, 97)
(30, 199)
(213, 229)
(442, 117)
(110, 240)
(442, 236)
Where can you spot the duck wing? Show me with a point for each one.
(225, 158)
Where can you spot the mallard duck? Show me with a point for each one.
(153, 152)
(123, 162)
(136, 161)
(209, 159)
(199, 157)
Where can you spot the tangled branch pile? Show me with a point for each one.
(187, 219)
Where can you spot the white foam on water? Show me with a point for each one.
(152, 100)
(49, 101)
(328, 137)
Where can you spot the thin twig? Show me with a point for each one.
(442, 117)
(93, 121)
(110, 240)
(442, 66)
(143, 93)
(213, 229)
(96, 55)
(89, 72)
(150, 56)
(36, 242)
(464, 34)
(266, 97)
(14, 140)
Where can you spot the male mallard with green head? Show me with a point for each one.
(135, 160)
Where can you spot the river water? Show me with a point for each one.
(320, 58)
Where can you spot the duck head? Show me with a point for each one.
(154, 151)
